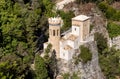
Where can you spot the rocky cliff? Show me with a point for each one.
(90, 70)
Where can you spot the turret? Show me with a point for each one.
(54, 33)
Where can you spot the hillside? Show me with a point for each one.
(24, 28)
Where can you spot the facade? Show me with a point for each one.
(65, 46)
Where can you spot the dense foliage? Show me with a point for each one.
(85, 54)
(66, 16)
(23, 26)
(40, 68)
(101, 42)
(109, 11)
(108, 58)
(113, 29)
(109, 63)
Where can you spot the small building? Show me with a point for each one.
(65, 46)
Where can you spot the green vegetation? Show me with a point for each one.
(40, 68)
(85, 54)
(113, 29)
(95, 1)
(91, 27)
(66, 16)
(21, 24)
(75, 76)
(109, 63)
(66, 76)
(108, 58)
(47, 51)
(13, 67)
(101, 42)
(109, 11)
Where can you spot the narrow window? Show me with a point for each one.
(63, 54)
(75, 29)
(53, 32)
(57, 32)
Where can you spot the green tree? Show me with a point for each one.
(110, 12)
(85, 54)
(103, 6)
(66, 16)
(101, 42)
(113, 29)
(109, 63)
(40, 68)
(12, 67)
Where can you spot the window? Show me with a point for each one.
(53, 32)
(57, 32)
(75, 29)
(63, 54)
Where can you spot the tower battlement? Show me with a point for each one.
(55, 20)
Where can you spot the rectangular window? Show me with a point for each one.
(57, 32)
(53, 32)
(75, 29)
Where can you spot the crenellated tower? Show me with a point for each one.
(54, 34)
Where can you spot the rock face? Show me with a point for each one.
(90, 70)
(61, 4)
(115, 42)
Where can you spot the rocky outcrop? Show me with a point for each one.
(61, 4)
(115, 42)
(90, 70)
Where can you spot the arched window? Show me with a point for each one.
(53, 32)
(57, 32)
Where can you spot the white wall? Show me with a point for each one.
(74, 44)
(76, 30)
(70, 43)
(66, 54)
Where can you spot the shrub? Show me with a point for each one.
(85, 54)
(109, 11)
(101, 42)
(113, 29)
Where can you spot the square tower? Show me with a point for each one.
(81, 26)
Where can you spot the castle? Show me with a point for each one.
(67, 45)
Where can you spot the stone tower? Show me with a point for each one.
(81, 26)
(54, 34)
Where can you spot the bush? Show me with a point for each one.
(113, 29)
(66, 16)
(109, 63)
(101, 42)
(109, 11)
(85, 54)
(66, 76)
(103, 6)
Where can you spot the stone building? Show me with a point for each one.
(66, 45)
